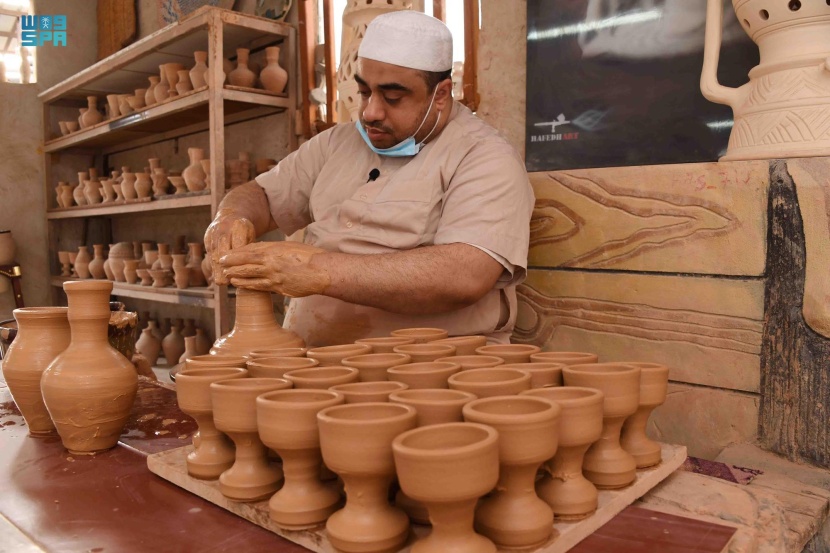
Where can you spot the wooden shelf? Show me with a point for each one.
(192, 199)
(195, 296)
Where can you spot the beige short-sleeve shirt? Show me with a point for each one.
(467, 185)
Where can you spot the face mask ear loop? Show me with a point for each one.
(424, 120)
(435, 126)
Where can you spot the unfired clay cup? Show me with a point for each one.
(420, 376)
(541, 374)
(385, 344)
(276, 367)
(368, 392)
(565, 357)
(372, 366)
(330, 356)
(421, 335)
(490, 382)
(423, 353)
(474, 361)
(654, 382)
(464, 345)
(277, 352)
(511, 353)
(321, 378)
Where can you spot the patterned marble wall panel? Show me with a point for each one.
(706, 330)
(702, 218)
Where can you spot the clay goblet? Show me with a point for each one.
(287, 421)
(511, 353)
(213, 452)
(330, 356)
(421, 335)
(277, 352)
(144, 275)
(421, 376)
(178, 182)
(606, 463)
(372, 366)
(494, 381)
(276, 367)
(528, 427)
(161, 277)
(63, 258)
(424, 353)
(250, 478)
(563, 487)
(654, 383)
(564, 357)
(321, 378)
(474, 361)
(464, 345)
(356, 442)
(368, 392)
(541, 374)
(449, 467)
(385, 344)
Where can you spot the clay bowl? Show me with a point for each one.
(541, 374)
(219, 360)
(421, 335)
(161, 277)
(464, 345)
(421, 376)
(277, 352)
(276, 367)
(474, 361)
(321, 378)
(385, 344)
(330, 356)
(372, 366)
(72, 126)
(511, 353)
(423, 353)
(368, 392)
(565, 357)
(494, 381)
(434, 406)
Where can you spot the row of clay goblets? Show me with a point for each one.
(153, 267)
(183, 341)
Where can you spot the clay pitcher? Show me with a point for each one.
(42, 333)
(197, 74)
(654, 383)
(449, 467)
(89, 388)
(242, 75)
(96, 266)
(91, 116)
(255, 326)
(193, 174)
(273, 77)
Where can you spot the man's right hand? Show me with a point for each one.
(228, 230)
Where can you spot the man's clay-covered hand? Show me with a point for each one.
(227, 231)
(283, 267)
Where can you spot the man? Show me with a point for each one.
(418, 215)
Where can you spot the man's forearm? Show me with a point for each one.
(249, 201)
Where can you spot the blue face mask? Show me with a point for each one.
(407, 147)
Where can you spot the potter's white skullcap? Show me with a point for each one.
(409, 39)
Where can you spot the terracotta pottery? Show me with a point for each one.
(464, 345)
(89, 388)
(118, 253)
(421, 335)
(72, 126)
(144, 275)
(321, 378)
(161, 278)
(108, 271)
(164, 260)
(112, 102)
(161, 182)
(210, 361)
(277, 352)
(148, 343)
(66, 195)
(250, 478)
(287, 422)
(138, 101)
(276, 367)
(564, 357)
(196, 186)
(424, 353)
(434, 406)
(273, 77)
(385, 344)
(372, 366)
(108, 191)
(173, 344)
(449, 467)
(490, 382)
(42, 333)
(255, 326)
(91, 116)
(130, 268)
(368, 392)
(193, 174)
(367, 523)
(511, 353)
(242, 75)
(62, 126)
(607, 464)
(420, 376)
(78, 191)
(570, 495)
(513, 515)
(207, 270)
(150, 95)
(82, 262)
(63, 259)
(128, 186)
(183, 86)
(96, 266)
(474, 361)
(334, 355)
(654, 382)
(203, 343)
(143, 185)
(194, 264)
(213, 453)
(123, 106)
(171, 72)
(92, 192)
(181, 277)
(542, 375)
(150, 258)
(189, 328)
(162, 89)
(197, 74)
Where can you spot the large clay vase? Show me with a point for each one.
(372, 366)
(368, 392)
(96, 266)
(474, 361)
(511, 353)
(425, 353)
(448, 467)
(421, 335)
(197, 74)
(564, 357)
(514, 516)
(321, 378)
(250, 478)
(287, 423)
(89, 388)
(148, 344)
(570, 495)
(173, 344)
(542, 375)
(255, 326)
(276, 367)
(242, 75)
(464, 345)
(82, 262)
(654, 383)
(490, 382)
(194, 264)
(385, 344)
(606, 463)
(193, 174)
(356, 442)
(424, 376)
(42, 333)
(273, 77)
(213, 453)
(91, 116)
(332, 356)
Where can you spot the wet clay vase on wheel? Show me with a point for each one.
(562, 486)
(89, 388)
(654, 383)
(276, 367)
(385, 344)
(422, 376)
(564, 357)
(606, 463)
(514, 516)
(213, 453)
(511, 353)
(330, 356)
(372, 366)
(287, 422)
(250, 478)
(42, 333)
(420, 335)
(490, 382)
(367, 523)
(448, 467)
(368, 392)
(255, 327)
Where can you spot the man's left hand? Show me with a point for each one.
(283, 267)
